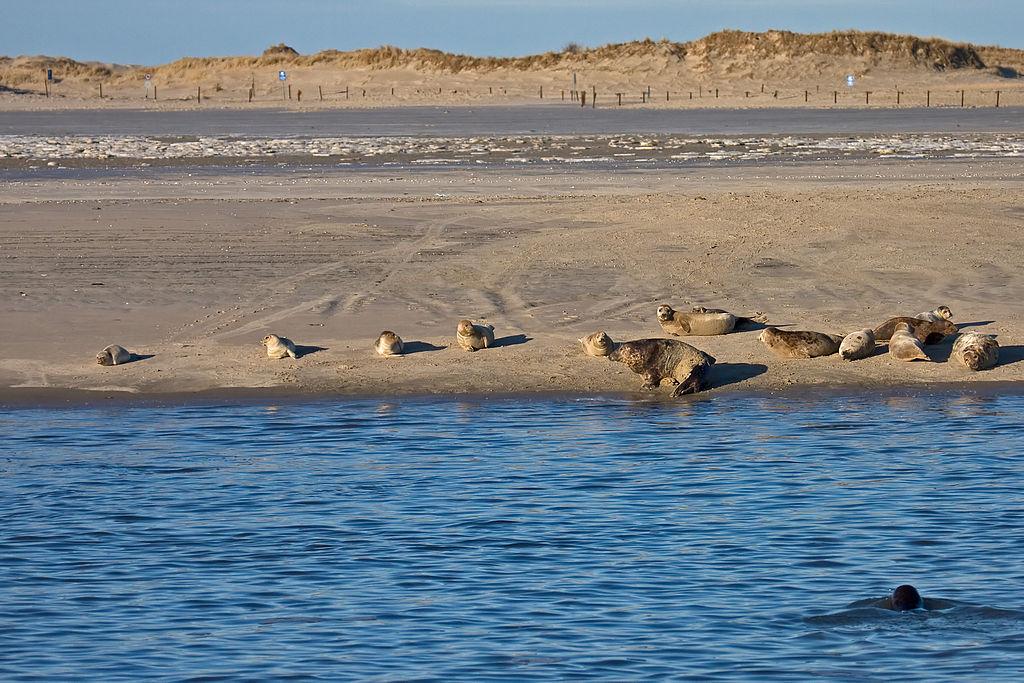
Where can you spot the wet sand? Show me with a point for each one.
(192, 274)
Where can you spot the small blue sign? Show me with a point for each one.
(282, 76)
(49, 74)
(850, 80)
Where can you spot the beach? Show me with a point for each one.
(191, 265)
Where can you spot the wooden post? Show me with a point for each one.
(583, 98)
(593, 101)
(835, 97)
(700, 91)
(563, 95)
(542, 92)
(154, 91)
(392, 92)
(691, 94)
(928, 100)
(997, 99)
(716, 93)
(776, 95)
(619, 95)
(289, 91)
(299, 94)
(762, 88)
(806, 95)
(320, 89)
(643, 97)
(46, 87)
(666, 95)
(961, 98)
(101, 91)
(746, 93)
(490, 90)
(346, 92)
(250, 94)
(898, 93)
(867, 97)
(364, 91)
(199, 94)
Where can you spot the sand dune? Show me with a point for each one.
(763, 69)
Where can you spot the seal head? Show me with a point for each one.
(597, 344)
(906, 598)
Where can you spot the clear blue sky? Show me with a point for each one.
(156, 31)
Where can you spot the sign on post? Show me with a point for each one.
(282, 75)
(49, 74)
(850, 80)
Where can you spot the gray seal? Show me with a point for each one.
(976, 351)
(799, 343)
(473, 337)
(279, 347)
(114, 355)
(857, 345)
(927, 331)
(935, 315)
(700, 321)
(658, 359)
(597, 344)
(389, 344)
(903, 345)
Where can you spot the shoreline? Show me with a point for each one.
(27, 398)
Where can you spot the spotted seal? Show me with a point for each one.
(389, 344)
(857, 345)
(114, 355)
(658, 359)
(700, 321)
(934, 316)
(903, 345)
(597, 344)
(927, 331)
(473, 337)
(279, 347)
(976, 351)
(799, 343)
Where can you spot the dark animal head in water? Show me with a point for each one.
(906, 598)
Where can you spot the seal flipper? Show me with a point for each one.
(692, 383)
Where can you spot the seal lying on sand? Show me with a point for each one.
(114, 355)
(927, 331)
(389, 344)
(597, 344)
(658, 359)
(798, 343)
(940, 313)
(976, 351)
(857, 345)
(903, 345)
(701, 322)
(473, 337)
(279, 347)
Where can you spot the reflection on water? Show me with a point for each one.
(731, 537)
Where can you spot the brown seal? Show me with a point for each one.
(903, 345)
(114, 355)
(389, 344)
(279, 347)
(927, 331)
(658, 359)
(976, 351)
(939, 313)
(857, 345)
(597, 344)
(700, 321)
(799, 343)
(473, 337)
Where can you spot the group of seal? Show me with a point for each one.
(658, 359)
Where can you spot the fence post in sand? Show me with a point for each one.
(583, 98)
(746, 94)
(320, 89)
(289, 91)
(563, 95)
(250, 94)
(762, 88)
(154, 91)
(961, 98)
(867, 97)
(898, 93)
(666, 95)
(997, 99)
(199, 94)
(928, 99)
(716, 93)
(542, 92)
(619, 95)
(490, 90)
(643, 96)
(691, 94)
(101, 91)
(392, 92)
(835, 97)
(776, 95)
(806, 95)
(593, 101)
(700, 91)
(364, 92)
(346, 92)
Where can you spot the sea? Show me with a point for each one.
(733, 537)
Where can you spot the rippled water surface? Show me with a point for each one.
(524, 539)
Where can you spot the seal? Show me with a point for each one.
(473, 337)
(799, 343)
(927, 331)
(389, 344)
(658, 359)
(976, 351)
(114, 355)
(857, 345)
(700, 321)
(279, 347)
(903, 345)
(934, 316)
(597, 344)
(905, 598)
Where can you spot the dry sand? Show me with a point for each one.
(192, 276)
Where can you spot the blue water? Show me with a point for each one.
(515, 539)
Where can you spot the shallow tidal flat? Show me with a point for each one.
(20, 151)
(193, 282)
